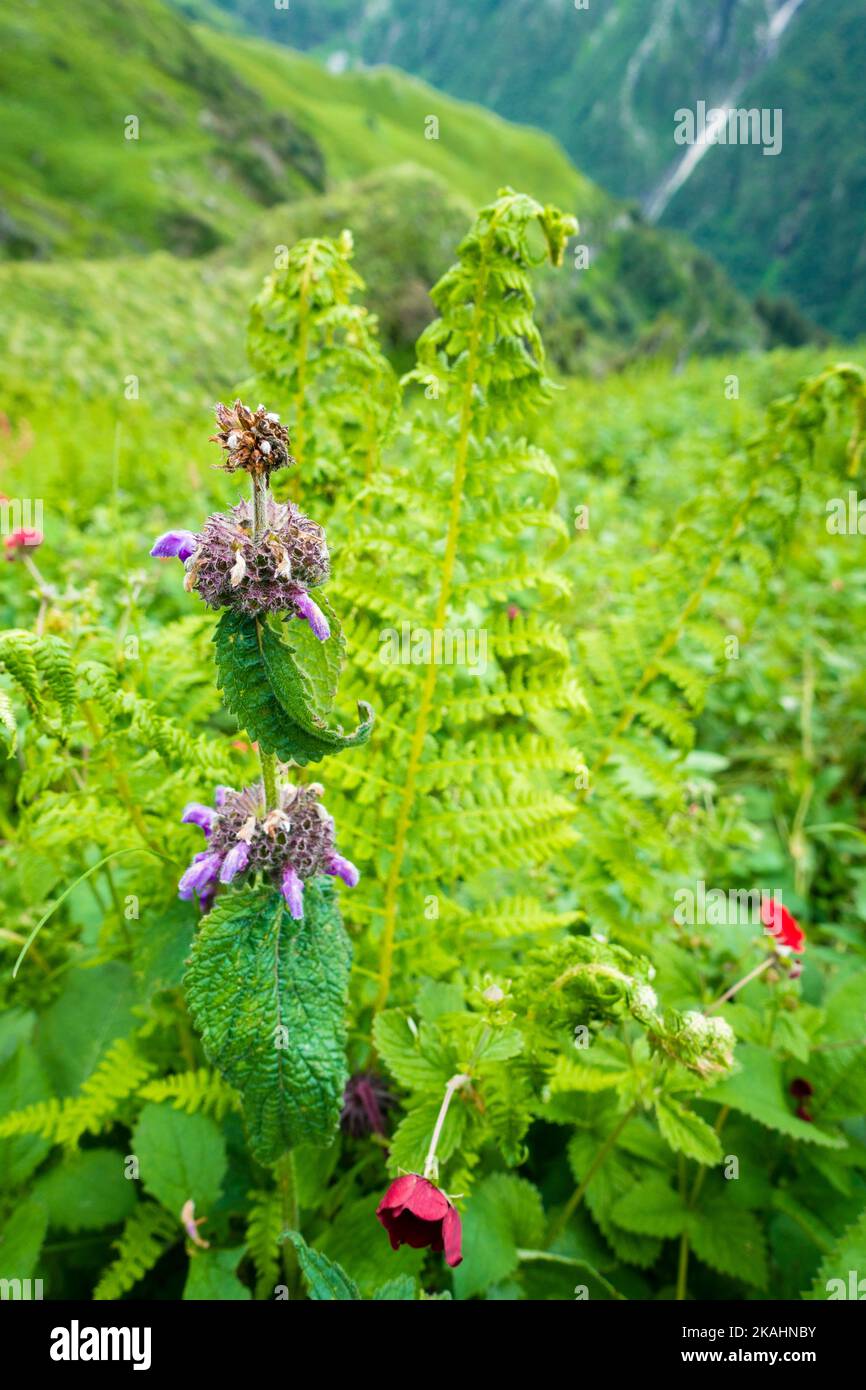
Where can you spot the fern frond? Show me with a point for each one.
(147, 1234)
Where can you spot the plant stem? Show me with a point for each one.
(268, 761)
(260, 505)
(577, 1195)
(431, 1165)
(729, 993)
(269, 779)
(284, 1171)
(419, 735)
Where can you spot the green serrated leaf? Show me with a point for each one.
(399, 1290)
(730, 1240)
(414, 1066)
(849, 1254)
(268, 995)
(758, 1090)
(325, 1279)
(180, 1157)
(650, 1208)
(274, 695)
(686, 1132)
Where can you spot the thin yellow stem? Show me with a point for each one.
(416, 748)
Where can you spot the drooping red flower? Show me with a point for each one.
(416, 1213)
(785, 928)
(21, 540)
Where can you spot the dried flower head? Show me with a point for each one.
(287, 845)
(253, 440)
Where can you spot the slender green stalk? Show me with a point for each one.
(574, 1201)
(284, 1171)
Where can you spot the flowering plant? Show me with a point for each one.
(269, 842)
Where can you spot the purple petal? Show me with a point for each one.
(342, 868)
(235, 861)
(202, 871)
(175, 544)
(305, 608)
(293, 892)
(221, 793)
(196, 814)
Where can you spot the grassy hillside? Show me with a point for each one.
(368, 120)
(209, 151)
(606, 82)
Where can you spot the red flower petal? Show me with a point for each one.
(427, 1202)
(785, 928)
(452, 1235)
(398, 1194)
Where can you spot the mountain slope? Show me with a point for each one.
(606, 81)
(208, 152)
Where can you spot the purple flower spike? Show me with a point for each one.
(305, 608)
(175, 544)
(338, 867)
(293, 892)
(235, 861)
(197, 814)
(221, 793)
(201, 872)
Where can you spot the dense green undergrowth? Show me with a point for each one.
(659, 688)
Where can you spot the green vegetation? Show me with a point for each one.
(612, 509)
(606, 82)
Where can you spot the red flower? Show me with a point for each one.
(416, 1213)
(785, 928)
(19, 539)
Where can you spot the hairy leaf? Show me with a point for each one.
(268, 996)
(276, 689)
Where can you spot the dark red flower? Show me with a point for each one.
(365, 1104)
(785, 928)
(416, 1213)
(800, 1087)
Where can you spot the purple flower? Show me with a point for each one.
(293, 892)
(175, 544)
(196, 814)
(234, 568)
(235, 861)
(200, 874)
(306, 608)
(287, 844)
(338, 867)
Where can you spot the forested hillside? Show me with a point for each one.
(606, 80)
